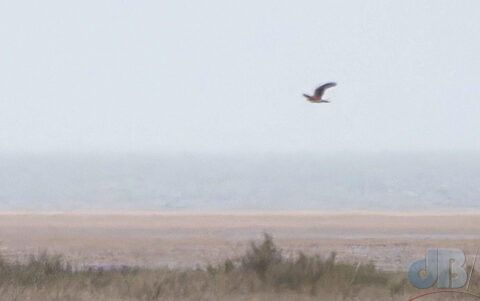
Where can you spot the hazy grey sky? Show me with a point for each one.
(228, 75)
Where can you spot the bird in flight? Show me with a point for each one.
(317, 97)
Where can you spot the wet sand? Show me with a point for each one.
(188, 239)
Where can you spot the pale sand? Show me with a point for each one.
(187, 239)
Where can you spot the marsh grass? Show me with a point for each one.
(262, 273)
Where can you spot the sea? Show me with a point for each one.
(192, 181)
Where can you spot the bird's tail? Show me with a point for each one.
(307, 96)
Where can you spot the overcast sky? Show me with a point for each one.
(225, 76)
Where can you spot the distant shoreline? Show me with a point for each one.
(190, 238)
(405, 213)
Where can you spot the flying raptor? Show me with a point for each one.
(317, 97)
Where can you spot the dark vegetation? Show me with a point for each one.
(262, 273)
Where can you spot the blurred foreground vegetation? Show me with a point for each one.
(262, 273)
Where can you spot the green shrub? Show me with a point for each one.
(263, 269)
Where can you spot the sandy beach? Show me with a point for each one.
(188, 239)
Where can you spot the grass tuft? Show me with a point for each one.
(262, 273)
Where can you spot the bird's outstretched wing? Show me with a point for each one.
(320, 90)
